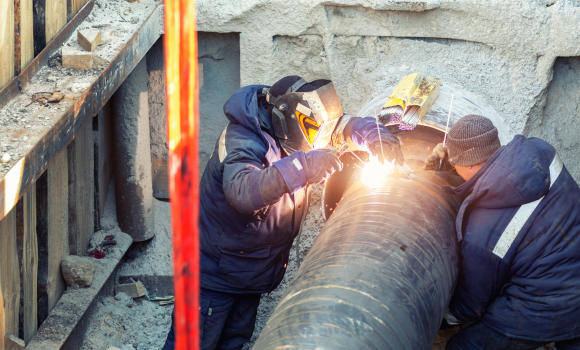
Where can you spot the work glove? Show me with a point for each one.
(320, 164)
(367, 136)
(440, 155)
(301, 168)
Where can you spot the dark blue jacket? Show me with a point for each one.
(248, 217)
(520, 247)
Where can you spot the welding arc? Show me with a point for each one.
(380, 274)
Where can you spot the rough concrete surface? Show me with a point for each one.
(219, 77)
(503, 51)
(130, 108)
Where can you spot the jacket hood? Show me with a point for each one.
(516, 174)
(244, 108)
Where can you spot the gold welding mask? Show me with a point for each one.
(305, 120)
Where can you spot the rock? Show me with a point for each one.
(113, 348)
(51, 79)
(5, 158)
(12, 342)
(74, 58)
(134, 290)
(78, 270)
(89, 39)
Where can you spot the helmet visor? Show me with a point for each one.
(309, 126)
(326, 111)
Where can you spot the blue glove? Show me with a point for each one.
(301, 168)
(366, 135)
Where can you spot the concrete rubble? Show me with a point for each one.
(78, 271)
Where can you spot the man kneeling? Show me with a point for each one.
(519, 233)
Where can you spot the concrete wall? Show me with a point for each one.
(558, 122)
(219, 78)
(504, 51)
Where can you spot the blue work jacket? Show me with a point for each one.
(248, 217)
(519, 227)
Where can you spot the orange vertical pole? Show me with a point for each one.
(182, 124)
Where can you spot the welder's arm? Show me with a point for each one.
(482, 276)
(250, 186)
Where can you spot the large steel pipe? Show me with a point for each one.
(379, 276)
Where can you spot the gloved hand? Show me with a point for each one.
(301, 168)
(440, 155)
(366, 135)
(320, 164)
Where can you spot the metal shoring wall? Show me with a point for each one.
(379, 276)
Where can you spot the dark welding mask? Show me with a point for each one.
(305, 120)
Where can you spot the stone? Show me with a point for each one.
(5, 158)
(12, 342)
(78, 270)
(113, 348)
(89, 39)
(77, 59)
(134, 290)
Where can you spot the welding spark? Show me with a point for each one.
(374, 172)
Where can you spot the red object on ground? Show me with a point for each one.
(97, 254)
(182, 125)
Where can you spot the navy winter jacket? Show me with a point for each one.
(248, 218)
(520, 247)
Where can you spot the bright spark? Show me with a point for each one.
(374, 172)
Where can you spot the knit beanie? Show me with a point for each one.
(472, 140)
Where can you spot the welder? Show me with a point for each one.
(253, 193)
(519, 233)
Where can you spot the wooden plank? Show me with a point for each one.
(52, 233)
(55, 19)
(9, 276)
(81, 167)
(57, 226)
(30, 264)
(73, 6)
(6, 41)
(37, 158)
(23, 35)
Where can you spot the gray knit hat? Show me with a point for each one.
(472, 140)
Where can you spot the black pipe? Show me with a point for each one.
(380, 274)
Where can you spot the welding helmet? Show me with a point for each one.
(304, 115)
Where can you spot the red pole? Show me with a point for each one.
(182, 125)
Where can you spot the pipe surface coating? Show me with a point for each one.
(380, 274)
